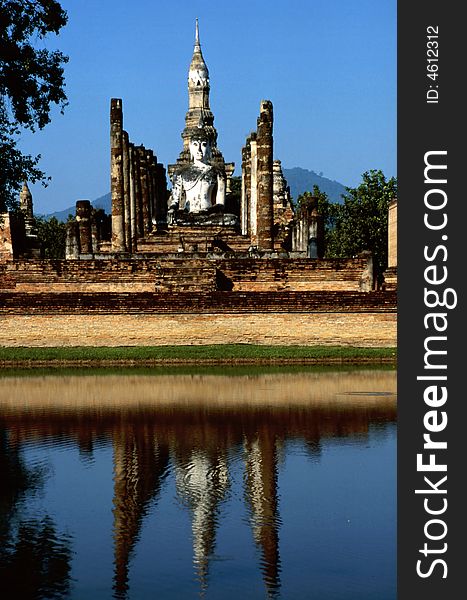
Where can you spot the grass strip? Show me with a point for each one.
(221, 352)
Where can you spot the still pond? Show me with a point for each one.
(198, 484)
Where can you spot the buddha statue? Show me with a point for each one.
(199, 187)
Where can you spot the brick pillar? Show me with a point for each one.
(133, 197)
(253, 216)
(246, 187)
(139, 195)
(143, 166)
(151, 186)
(83, 216)
(161, 194)
(392, 234)
(72, 248)
(265, 200)
(126, 191)
(95, 233)
(116, 175)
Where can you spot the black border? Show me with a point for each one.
(423, 127)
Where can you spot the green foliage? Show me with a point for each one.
(31, 80)
(361, 223)
(52, 234)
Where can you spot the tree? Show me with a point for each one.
(31, 80)
(52, 234)
(361, 223)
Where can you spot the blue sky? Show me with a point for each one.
(329, 67)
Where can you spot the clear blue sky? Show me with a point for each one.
(329, 67)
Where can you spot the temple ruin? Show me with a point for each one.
(216, 250)
(200, 215)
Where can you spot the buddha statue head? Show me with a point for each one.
(200, 148)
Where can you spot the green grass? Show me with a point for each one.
(234, 352)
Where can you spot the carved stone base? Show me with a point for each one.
(213, 216)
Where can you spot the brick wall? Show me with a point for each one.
(110, 319)
(195, 302)
(182, 274)
(372, 329)
(178, 301)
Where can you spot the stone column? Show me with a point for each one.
(133, 235)
(25, 202)
(139, 194)
(95, 233)
(229, 171)
(143, 165)
(308, 231)
(126, 191)
(116, 175)
(265, 201)
(392, 234)
(390, 275)
(83, 216)
(246, 187)
(161, 194)
(72, 248)
(254, 191)
(151, 186)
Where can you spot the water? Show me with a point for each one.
(250, 484)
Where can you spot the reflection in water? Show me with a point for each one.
(202, 482)
(261, 492)
(188, 426)
(35, 562)
(34, 559)
(140, 466)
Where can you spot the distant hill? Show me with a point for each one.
(299, 180)
(62, 215)
(302, 180)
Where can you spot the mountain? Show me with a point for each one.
(299, 180)
(302, 180)
(62, 215)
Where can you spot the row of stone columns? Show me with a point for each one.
(257, 202)
(84, 234)
(138, 186)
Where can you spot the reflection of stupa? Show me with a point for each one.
(194, 439)
(202, 484)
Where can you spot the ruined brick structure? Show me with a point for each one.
(390, 275)
(308, 230)
(138, 187)
(264, 222)
(18, 235)
(223, 273)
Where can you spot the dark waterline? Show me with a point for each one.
(189, 485)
